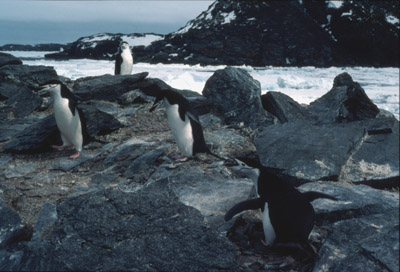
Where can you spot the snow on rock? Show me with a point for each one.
(145, 40)
(392, 20)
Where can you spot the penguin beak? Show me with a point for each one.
(44, 89)
(157, 104)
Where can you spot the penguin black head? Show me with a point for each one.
(51, 85)
(124, 45)
(158, 103)
(246, 170)
(172, 97)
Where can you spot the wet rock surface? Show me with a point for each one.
(126, 204)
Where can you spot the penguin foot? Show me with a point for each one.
(58, 147)
(181, 159)
(74, 156)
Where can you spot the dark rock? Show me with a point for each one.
(142, 167)
(106, 87)
(39, 136)
(99, 122)
(11, 226)
(148, 229)
(210, 193)
(367, 31)
(126, 152)
(334, 151)
(22, 102)
(36, 47)
(353, 202)
(10, 128)
(36, 138)
(236, 95)
(345, 102)
(8, 59)
(283, 107)
(30, 76)
(45, 221)
(18, 87)
(363, 244)
(377, 156)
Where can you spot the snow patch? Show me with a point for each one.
(349, 13)
(392, 20)
(335, 4)
(228, 17)
(96, 38)
(145, 40)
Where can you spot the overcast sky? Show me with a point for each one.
(34, 22)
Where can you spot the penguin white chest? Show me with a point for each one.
(269, 231)
(68, 124)
(127, 62)
(181, 130)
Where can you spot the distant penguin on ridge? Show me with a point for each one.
(287, 215)
(124, 60)
(69, 118)
(184, 123)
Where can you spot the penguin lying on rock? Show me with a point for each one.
(69, 118)
(287, 215)
(183, 121)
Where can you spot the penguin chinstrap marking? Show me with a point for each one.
(287, 215)
(184, 123)
(123, 60)
(69, 118)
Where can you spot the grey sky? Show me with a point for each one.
(60, 21)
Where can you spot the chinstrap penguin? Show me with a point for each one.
(124, 60)
(287, 215)
(184, 123)
(69, 118)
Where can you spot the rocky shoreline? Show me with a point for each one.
(124, 204)
(276, 33)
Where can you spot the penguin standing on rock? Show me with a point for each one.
(124, 60)
(69, 118)
(287, 215)
(184, 123)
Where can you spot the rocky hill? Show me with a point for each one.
(35, 47)
(125, 204)
(279, 33)
(105, 46)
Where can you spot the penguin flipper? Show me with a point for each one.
(85, 134)
(118, 61)
(251, 204)
(72, 101)
(312, 195)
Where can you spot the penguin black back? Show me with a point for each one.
(118, 62)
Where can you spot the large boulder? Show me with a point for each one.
(353, 151)
(283, 107)
(8, 59)
(18, 87)
(106, 87)
(363, 228)
(39, 136)
(236, 96)
(115, 230)
(345, 102)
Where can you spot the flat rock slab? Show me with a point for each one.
(306, 150)
(114, 230)
(363, 244)
(211, 194)
(353, 201)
